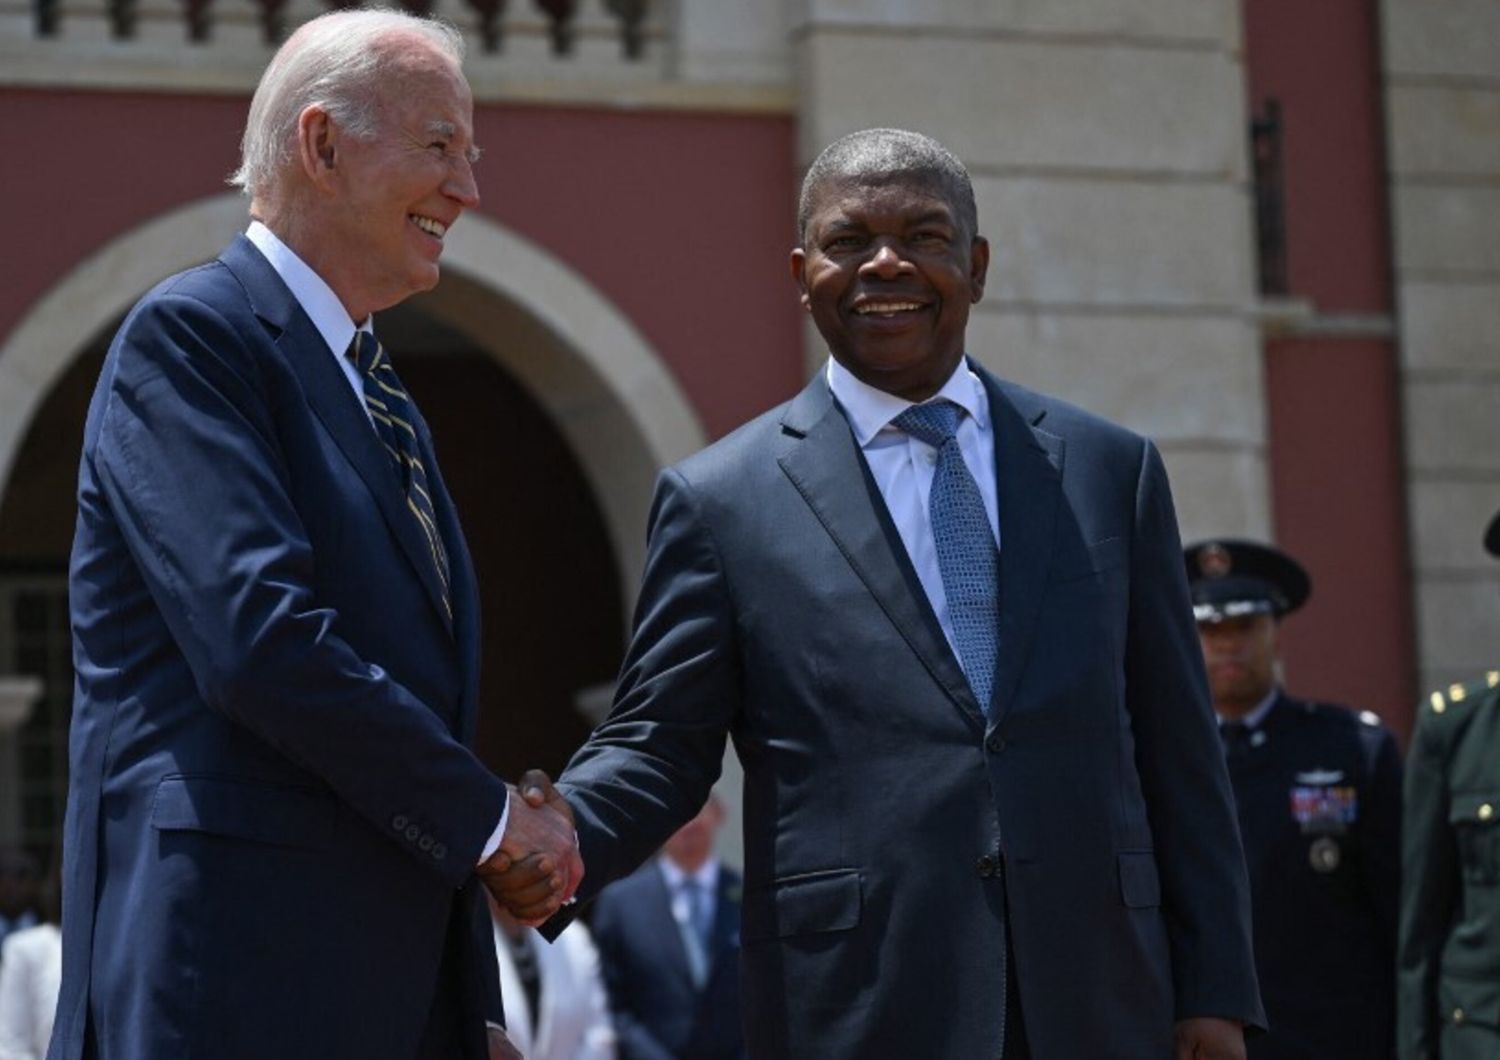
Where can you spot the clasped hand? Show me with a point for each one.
(537, 867)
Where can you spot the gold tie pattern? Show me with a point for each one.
(392, 413)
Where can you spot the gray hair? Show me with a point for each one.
(335, 61)
(873, 155)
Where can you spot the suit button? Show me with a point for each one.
(1458, 1015)
(438, 851)
(996, 742)
(414, 832)
(425, 843)
(399, 822)
(986, 866)
(1486, 812)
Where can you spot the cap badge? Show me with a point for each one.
(1214, 561)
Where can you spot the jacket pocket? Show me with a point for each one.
(1469, 1001)
(244, 809)
(803, 905)
(1475, 817)
(1140, 887)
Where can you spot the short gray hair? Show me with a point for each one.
(336, 61)
(873, 155)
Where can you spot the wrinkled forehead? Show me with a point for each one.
(883, 188)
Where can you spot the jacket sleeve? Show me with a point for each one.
(190, 465)
(1429, 889)
(650, 766)
(1205, 888)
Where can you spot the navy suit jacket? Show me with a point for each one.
(273, 818)
(893, 832)
(659, 1013)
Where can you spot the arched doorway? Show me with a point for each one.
(540, 392)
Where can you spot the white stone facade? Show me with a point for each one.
(1442, 74)
(1107, 143)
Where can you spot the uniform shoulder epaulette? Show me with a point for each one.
(1441, 700)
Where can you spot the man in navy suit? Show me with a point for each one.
(274, 820)
(985, 812)
(668, 940)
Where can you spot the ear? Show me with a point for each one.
(317, 145)
(798, 264)
(979, 265)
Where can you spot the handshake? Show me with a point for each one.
(537, 866)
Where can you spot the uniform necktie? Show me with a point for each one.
(968, 559)
(1236, 737)
(394, 418)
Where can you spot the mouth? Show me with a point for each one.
(431, 225)
(887, 308)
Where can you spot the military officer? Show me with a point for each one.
(1318, 793)
(1448, 981)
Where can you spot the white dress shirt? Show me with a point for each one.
(903, 466)
(1257, 713)
(333, 322)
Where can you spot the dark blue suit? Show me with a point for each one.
(895, 835)
(273, 817)
(659, 1013)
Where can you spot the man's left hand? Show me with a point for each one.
(1208, 1038)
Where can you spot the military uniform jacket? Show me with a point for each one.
(1448, 987)
(1318, 793)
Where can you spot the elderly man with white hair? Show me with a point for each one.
(276, 830)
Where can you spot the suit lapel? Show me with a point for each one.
(824, 464)
(329, 394)
(666, 927)
(1028, 471)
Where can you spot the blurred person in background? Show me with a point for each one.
(1318, 794)
(1448, 979)
(669, 939)
(30, 973)
(19, 879)
(555, 1005)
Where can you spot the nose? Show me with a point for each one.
(460, 186)
(886, 262)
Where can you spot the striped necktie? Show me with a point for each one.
(968, 560)
(394, 417)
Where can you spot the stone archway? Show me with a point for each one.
(578, 355)
(585, 363)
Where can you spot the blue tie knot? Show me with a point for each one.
(934, 423)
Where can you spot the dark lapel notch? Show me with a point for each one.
(1028, 471)
(824, 464)
(334, 403)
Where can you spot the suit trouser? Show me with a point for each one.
(1016, 1046)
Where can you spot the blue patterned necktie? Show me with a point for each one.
(393, 416)
(967, 557)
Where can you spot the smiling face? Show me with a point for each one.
(888, 272)
(386, 203)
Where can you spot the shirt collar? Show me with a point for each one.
(311, 291)
(1257, 714)
(870, 409)
(707, 876)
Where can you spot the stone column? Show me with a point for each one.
(1442, 80)
(1107, 145)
